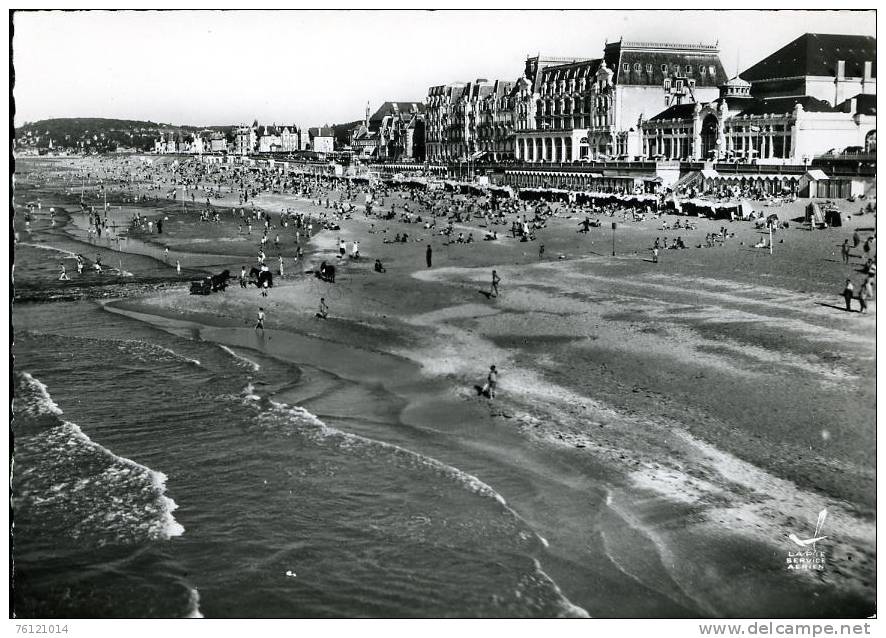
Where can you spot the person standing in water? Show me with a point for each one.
(260, 324)
(428, 254)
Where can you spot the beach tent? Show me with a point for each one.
(814, 214)
(833, 217)
(745, 210)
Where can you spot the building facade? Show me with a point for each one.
(594, 108)
(322, 139)
(753, 122)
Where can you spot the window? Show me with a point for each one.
(688, 69)
(701, 69)
(636, 66)
(712, 70)
(667, 84)
(648, 68)
(664, 68)
(691, 83)
(678, 84)
(625, 67)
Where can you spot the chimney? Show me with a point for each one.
(838, 83)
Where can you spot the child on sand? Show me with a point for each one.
(491, 381)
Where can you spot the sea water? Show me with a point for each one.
(158, 476)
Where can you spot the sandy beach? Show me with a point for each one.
(663, 427)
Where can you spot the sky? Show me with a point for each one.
(317, 67)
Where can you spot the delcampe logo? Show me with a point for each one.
(808, 557)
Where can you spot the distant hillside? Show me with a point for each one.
(97, 133)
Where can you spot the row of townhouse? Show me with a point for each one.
(670, 100)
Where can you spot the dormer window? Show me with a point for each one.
(667, 84)
(664, 68)
(701, 69)
(636, 66)
(712, 70)
(648, 68)
(688, 69)
(625, 67)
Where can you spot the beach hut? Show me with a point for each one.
(812, 182)
(745, 210)
(833, 217)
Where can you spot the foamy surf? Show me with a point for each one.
(568, 609)
(194, 604)
(66, 443)
(241, 359)
(43, 403)
(298, 416)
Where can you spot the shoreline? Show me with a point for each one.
(559, 560)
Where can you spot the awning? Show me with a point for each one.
(655, 179)
(709, 173)
(816, 175)
(478, 154)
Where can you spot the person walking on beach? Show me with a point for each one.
(869, 286)
(166, 254)
(491, 381)
(63, 276)
(848, 294)
(863, 299)
(856, 239)
(845, 251)
(280, 258)
(243, 277)
(324, 309)
(428, 254)
(260, 324)
(178, 267)
(654, 255)
(493, 292)
(541, 252)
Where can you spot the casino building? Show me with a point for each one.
(815, 95)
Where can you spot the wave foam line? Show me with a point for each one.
(45, 404)
(568, 609)
(255, 367)
(169, 526)
(52, 248)
(471, 482)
